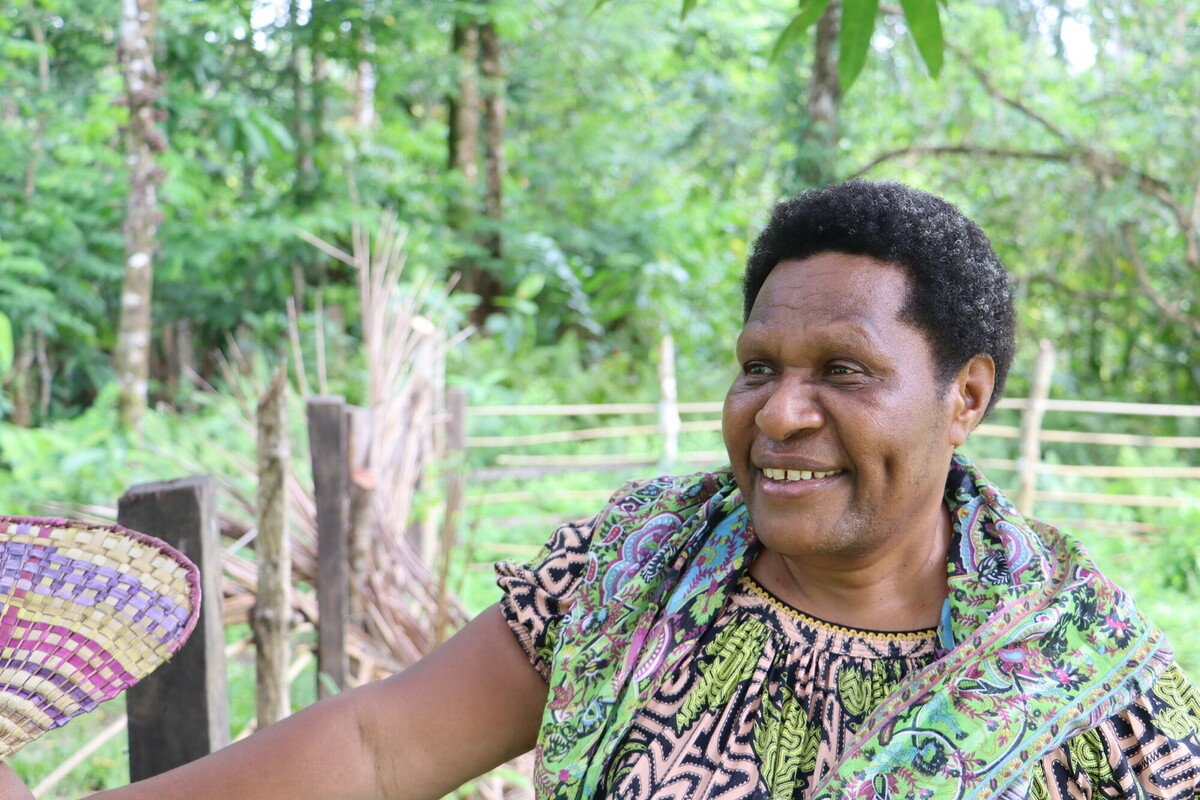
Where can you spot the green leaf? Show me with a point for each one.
(530, 286)
(858, 23)
(257, 148)
(810, 12)
(688, 5)
(6, 345)
(926, 26)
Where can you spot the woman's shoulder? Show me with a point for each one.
(1154, 742)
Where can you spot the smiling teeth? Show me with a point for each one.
(795, 474)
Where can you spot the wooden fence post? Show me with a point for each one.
(456, 460)
(328, 446)
(180, 712)
(361, 516)
(273, 606)
(1031, 427)
(669, 423)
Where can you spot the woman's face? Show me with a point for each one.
(838, 430)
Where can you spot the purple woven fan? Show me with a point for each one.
(86, 611)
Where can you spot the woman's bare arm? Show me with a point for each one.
(11, 787)
(472, 704)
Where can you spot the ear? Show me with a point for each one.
(969, 394)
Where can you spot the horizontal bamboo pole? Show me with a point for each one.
(1099, 471)
(1085, 471)
(1080, 437)
(530, 497)
(1107, 526)
(509, 547)
(995, 463)
(611, 461)
(1091, 498)
(1108, 407)
(552, 437)
(714, 407)
(581, 434)
(550, 463)
(986, 429)
(572, 410)
(565, 410)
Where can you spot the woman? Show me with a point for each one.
(848, 610)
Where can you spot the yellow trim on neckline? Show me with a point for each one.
(761, 592)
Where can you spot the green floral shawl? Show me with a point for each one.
(1045, 647)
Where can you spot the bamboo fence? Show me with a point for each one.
(499, 457)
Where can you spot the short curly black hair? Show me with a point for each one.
(960, 296)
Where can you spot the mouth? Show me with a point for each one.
(796, 475)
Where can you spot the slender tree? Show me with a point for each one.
(143, 141)
(463, 106)
(824, 99)
(494, 113)
(477, 103)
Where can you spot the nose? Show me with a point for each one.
(791, 409)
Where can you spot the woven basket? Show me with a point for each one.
(87, 611)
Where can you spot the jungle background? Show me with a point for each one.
(575, 180)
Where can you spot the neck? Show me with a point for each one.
(890, 589)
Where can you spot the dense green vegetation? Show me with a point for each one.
(595, 186)
(639, 152)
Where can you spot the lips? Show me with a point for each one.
(789, 475)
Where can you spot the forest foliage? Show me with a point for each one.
(641, 148)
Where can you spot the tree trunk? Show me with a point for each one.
(21, 382)
(306, 168)
(39, 136)
(143, 141)
(817, 167)
(463, 107)
(320, 73)
(271, 620)
(365, 82)
(494, 113)
(483, 281)
(45, 374)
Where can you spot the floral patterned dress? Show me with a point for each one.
(770, 697)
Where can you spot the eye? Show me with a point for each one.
(842, 372)
(758, 369)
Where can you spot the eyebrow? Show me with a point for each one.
(844, 328)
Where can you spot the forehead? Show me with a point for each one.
(831, 287)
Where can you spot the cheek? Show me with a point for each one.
(737, 417)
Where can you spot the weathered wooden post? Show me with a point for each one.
(456, 460)
(273, 607)
(181, 711)
(362, 505)
(669, 423)
(328, 438)
(420, 438)
(1031, 427)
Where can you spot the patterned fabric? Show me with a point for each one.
(672, 674)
